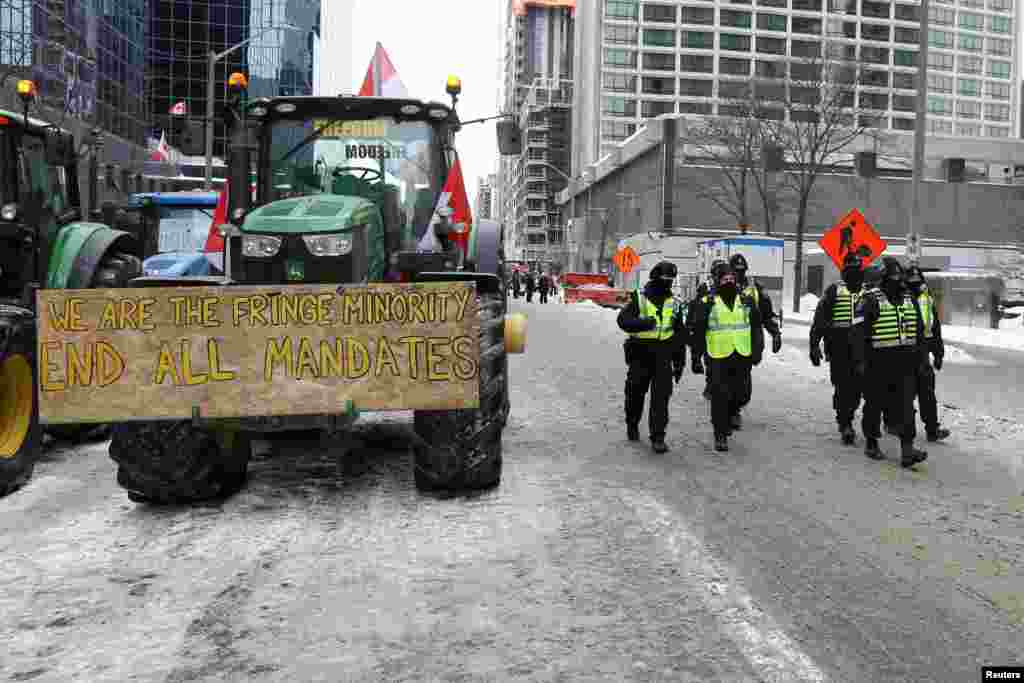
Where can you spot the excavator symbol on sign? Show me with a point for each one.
(846, 244)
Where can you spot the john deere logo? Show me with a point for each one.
(295, 270)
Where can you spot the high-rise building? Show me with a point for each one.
(484, 205)
(277, 61)
(537, 89)
(638, 59)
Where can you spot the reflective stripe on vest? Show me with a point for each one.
(847, 310)
(896, 325)
(729, 329)
(665, 317)
(925, 301)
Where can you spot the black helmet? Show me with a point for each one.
(664, 270)
(873, 275)
(892, 268)
(718, 267)
(853, 261)
(914, 276)
(738, 262)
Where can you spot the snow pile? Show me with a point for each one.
(1009, 339)
(955, 354)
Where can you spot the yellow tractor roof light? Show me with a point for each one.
(454, 85)
(238, 81)
(27, 89)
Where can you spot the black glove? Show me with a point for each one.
(776, 343)
(937, 362)
(696, 365)
(649, 323)
(860, 368)
(815, 356)
(756, 359)
(677, 371)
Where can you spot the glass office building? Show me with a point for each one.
(277, 61)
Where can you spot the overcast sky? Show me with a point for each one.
(428, 41)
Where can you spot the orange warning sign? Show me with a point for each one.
(852, 234)
(626, 259)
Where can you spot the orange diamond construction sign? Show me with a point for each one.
(852, 234)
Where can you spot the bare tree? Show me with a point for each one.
(820, 120)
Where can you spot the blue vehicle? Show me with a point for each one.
(178, 263)
(184, 224)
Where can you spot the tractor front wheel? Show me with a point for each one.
(461, 449)
(171, 462)
(19, 416)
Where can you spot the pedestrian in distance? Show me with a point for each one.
(543, 287)
(517, 283)
(926, 401)
(890, 347)
(750, 288)
(728, 328)
(531, 285)
(655, 352)
(839, 310)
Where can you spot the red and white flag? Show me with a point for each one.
(453, 196)
(179, 109)
(162, 151)
(382, 78)
(214, 240)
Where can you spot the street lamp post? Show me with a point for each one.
(213, 58)
(914, 238)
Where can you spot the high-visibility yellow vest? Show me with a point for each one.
(846, 310)
(729, 329)
(751, 291)
(925, 303)
(896, 325)
(665, 317)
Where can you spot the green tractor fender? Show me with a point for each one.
(78, 250)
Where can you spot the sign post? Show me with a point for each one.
(852, 234)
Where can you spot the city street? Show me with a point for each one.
(789, 558)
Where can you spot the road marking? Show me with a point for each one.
(772, 654)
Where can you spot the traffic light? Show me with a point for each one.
(956, 170)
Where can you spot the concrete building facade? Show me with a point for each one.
(483, 206)
(636, 60)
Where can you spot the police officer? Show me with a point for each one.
(926, 401)
(655, 352)
(889, 345)
(838, 311)
(705, 291)
(728, 329)
(754, 291)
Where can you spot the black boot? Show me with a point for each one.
(872, 450)
(938, 434)
(659, 445)
(721, 443)
(910, 455)
(633, 432)
(736, 422)
(849, 436)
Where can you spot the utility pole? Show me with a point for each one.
(914, 236)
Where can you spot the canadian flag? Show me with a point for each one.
(214, 240)
(453, 196)
(179, 109)
(162, 151)
(382, 78)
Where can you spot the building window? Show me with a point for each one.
(620, 58)
(698, 40)
(771, 22)
(803, 48)
(872, 100)
(907, 35)
(732, 18)
(767, 91)
(999, 46)
(656, 61)
(997, 112)
(1000, 5)
(903, 124)
(910, 13)
(999, 24)
(842, 6)
(998, 69)
(619, 106)
(904, 58)
(805, 96)
(997, 132)
(903, 102)
(658, 86)
(938, 127)
(940, 39)
(967, 109)
(837, 28)
(969, 86)
(999, 91)
(971, 21)
(940, 105)
(660, 13)
(617, 130)
(734, 67)
(941, 15)
(968, 130)
(619, 82)
(878, 10)
(614, 33)
(807, 25)
(734, 42)
(702, 108)
(698, 15)
(659, 38)
(733, 90)
(772, 3)
(940, 60)
(805, 73)
(878, 32)
(807, 5)
(695, 87)
(622, 9)
(877, 122)
(697, 63)
(773, 46)
(940, 84)
(874, 55)
(969, 65)
(649, 110)
(770, 69)
(904, 81)
(977, 4)
(874, 79)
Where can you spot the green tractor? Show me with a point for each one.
(346, 191)
(44, 243)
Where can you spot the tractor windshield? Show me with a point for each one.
(358, 158)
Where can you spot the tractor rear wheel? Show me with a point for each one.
(461, 449)
(170, 462)
(19, 414)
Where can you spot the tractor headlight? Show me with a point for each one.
(9, 212)
(328, 245)
(260, 246)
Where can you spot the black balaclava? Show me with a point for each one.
(725, 284)
(739, 268)
(853, 272)
(914, 279)
(892, 279)
(662, 276)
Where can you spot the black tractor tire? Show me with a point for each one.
(460, 450)
(171, 462)
(20, 434)
(78, 433)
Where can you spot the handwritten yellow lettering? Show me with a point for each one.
(416, 308)
(386, 358)
(461, 299)
(49, 368)
(278, 352)
(239, 309)
(434, 358)
(466, 367)
(79, 366)
(213, 354)
(307, 360)
(323, 309)
(331, 358)
(358, 359)
(166, 365)
(210, 313)
(191, 379)
(413, 345)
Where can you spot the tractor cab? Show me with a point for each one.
(344, 186)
